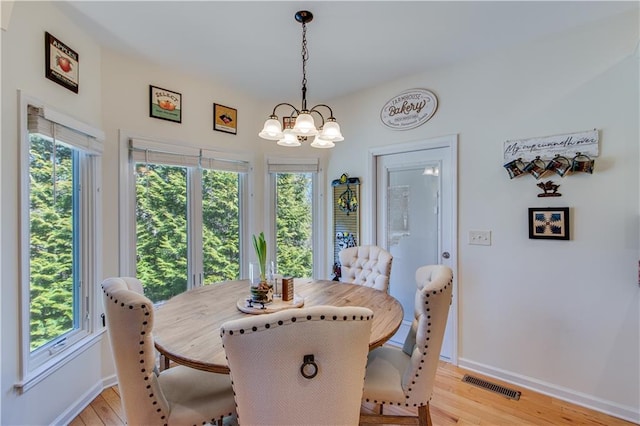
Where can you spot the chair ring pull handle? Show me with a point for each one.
(309, 368)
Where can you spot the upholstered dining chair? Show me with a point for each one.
(179, 395)
(405, 376)
(366, 265)
(132, 284)
(300, 366)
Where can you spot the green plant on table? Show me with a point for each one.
(260, 245)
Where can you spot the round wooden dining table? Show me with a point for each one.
(187, 327)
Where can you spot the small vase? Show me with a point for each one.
(262, 292)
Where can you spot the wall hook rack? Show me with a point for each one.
(559, 164)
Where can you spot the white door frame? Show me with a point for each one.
(449, 142)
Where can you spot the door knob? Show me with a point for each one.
(446, 254)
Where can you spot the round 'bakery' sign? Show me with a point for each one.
(409, 109)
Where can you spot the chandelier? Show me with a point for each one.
(300, 123)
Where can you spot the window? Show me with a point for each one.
(295, 193)
(188, 207)
(60, 208)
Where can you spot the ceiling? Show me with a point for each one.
(255, 46)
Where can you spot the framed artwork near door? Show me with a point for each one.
(549, 223)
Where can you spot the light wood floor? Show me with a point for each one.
(454, 403)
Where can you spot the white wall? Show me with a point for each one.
(560, 316)
(23, 68)
(114, 96)
(125, 88)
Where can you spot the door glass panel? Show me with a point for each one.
(220, 225)
(412, 227)
(161, 229)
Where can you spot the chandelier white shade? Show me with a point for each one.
(304, 126)
(318, 142)
(272, 130)
(288, 139)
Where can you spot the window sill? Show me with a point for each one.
(43, 371)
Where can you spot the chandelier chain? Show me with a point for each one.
(305, 57)
(304, 125)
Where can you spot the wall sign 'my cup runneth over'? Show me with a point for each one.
(409, 109)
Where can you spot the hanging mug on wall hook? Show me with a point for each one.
(536, 167)
(514, 168)
(561, 165)
(582, 163)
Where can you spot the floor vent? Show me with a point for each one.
(509, 393)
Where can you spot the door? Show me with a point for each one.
(415, 221)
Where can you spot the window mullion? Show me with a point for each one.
(194, 226)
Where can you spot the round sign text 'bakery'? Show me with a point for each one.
(409, 109)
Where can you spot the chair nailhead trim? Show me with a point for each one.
(141, 352)
(256, 328)
(424, 354)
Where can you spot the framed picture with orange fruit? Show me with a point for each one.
(165, 104)
(61, 63)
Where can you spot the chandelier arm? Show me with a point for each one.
(273, 114)
(319, 113)
(327, 107)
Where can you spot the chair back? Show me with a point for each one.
(366, 265)
(424, 341)
(299, 366)
(133, 284)
(129, 319)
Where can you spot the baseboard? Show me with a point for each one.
(565, 394)
(75, 409)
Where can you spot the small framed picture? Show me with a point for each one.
(165, 104)
(225, 119)
(61, 63)
(551, 223)
(288, 122)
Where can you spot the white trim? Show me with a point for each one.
(294, 165)
(319, 213)
(51, 114)
(126, 210)
(195, 268)
(83, 402)
(39, 364)
(314, 165)
(449, 142)
(269, 216)
(127, 197)
(51, 366)
(575, 397)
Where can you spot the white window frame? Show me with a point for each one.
(184, 154)
(36, 366)
(315, 166)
